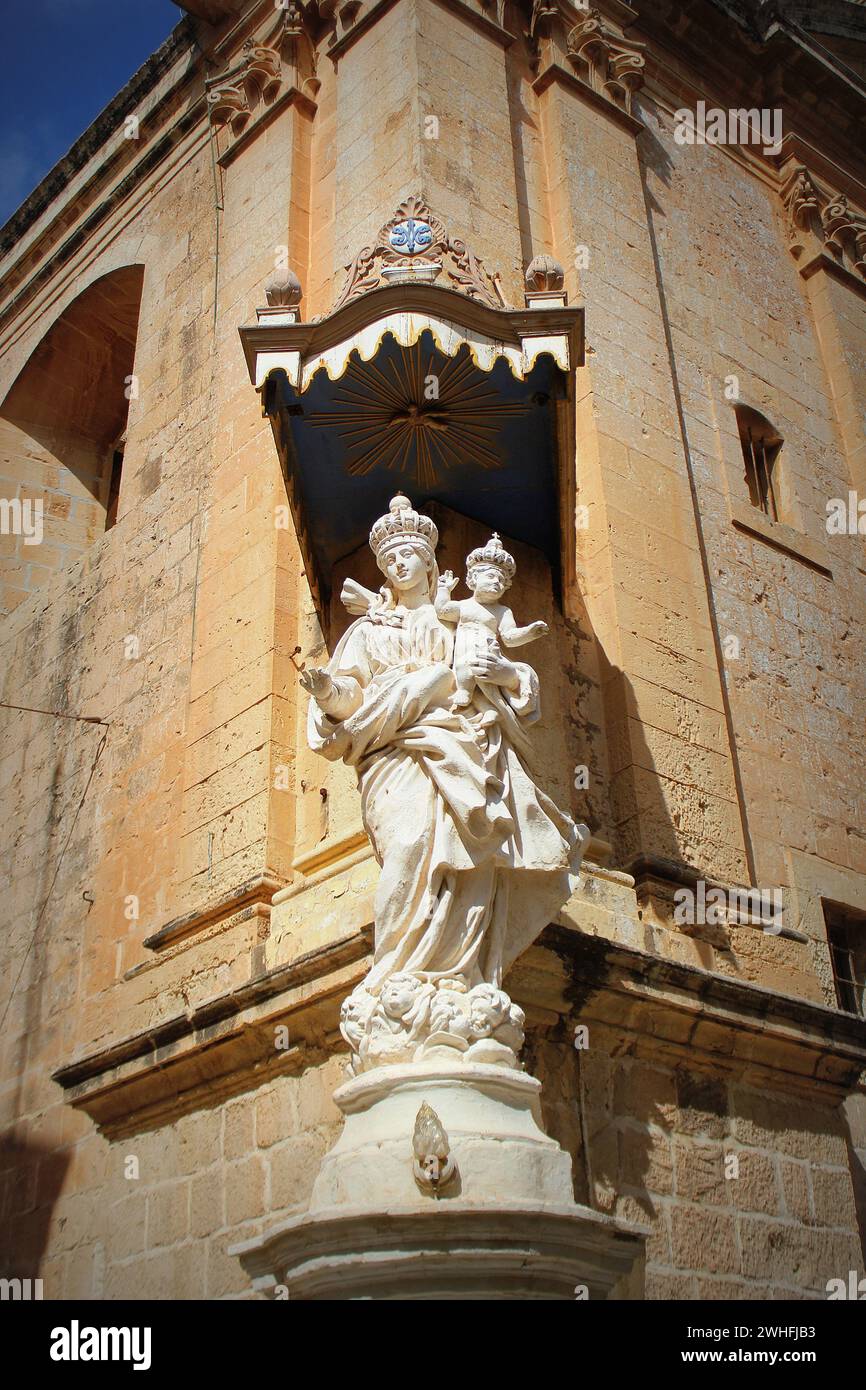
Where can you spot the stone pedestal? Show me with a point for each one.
(491, 1116)
(503, 1225)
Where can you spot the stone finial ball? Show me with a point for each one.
(544, 274)
(283, 289)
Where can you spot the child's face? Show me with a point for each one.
(486, 581)
(398, 995)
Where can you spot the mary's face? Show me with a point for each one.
(405, 568)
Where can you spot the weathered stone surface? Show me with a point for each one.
(693, 269)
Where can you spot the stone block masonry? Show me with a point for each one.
(182, 880)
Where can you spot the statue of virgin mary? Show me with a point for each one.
(475, 859)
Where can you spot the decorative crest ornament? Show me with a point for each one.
(413, 229)
(409, 237)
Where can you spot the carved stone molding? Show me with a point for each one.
(354, 19)
(497, 7)
(605, 60)
(281, 60)
(544, 12)
(819, 218)
(226, 1043)
(283, 290)
(544, 275)
(416, 242)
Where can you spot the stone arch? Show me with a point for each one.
(62, 427)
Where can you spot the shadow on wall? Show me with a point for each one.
(63, 422)
(31, 1179)
(855, 1114)
(647, 1141)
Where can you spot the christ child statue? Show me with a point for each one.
(482, 620)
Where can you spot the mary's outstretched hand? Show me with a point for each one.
(317, 681)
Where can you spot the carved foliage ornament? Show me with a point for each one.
(825, 215)
(283, 56)
(544, 275)
(412, 234)
(606, 61)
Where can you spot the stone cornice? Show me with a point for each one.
(158, 153)
(256, 891)
(222, 1047)
(660, 1006)
(481, 22)
(556, 74)
(172, 118)
(355, 28)
(211, 11)
(565, 1247)
(361, 26)
(828, 17)
(708, 50)
(719, 1020)
(508, 326)
(839, 272)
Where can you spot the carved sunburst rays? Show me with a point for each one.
(418, 412)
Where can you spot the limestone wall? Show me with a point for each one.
(190, 805)
(748, 1194)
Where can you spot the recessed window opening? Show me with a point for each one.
(63, 429)
(846, 937)
(114, 481)
(761, 443)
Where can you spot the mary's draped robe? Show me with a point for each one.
(475, 859)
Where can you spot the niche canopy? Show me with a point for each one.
(446, 393)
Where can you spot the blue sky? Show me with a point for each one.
(65, 60)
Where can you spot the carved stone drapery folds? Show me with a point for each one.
(605, 60)
(491, 859)
(415, 228)
(281, 59)
(819, 217)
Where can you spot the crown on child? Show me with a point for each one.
(493, 553)
(402, 523)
